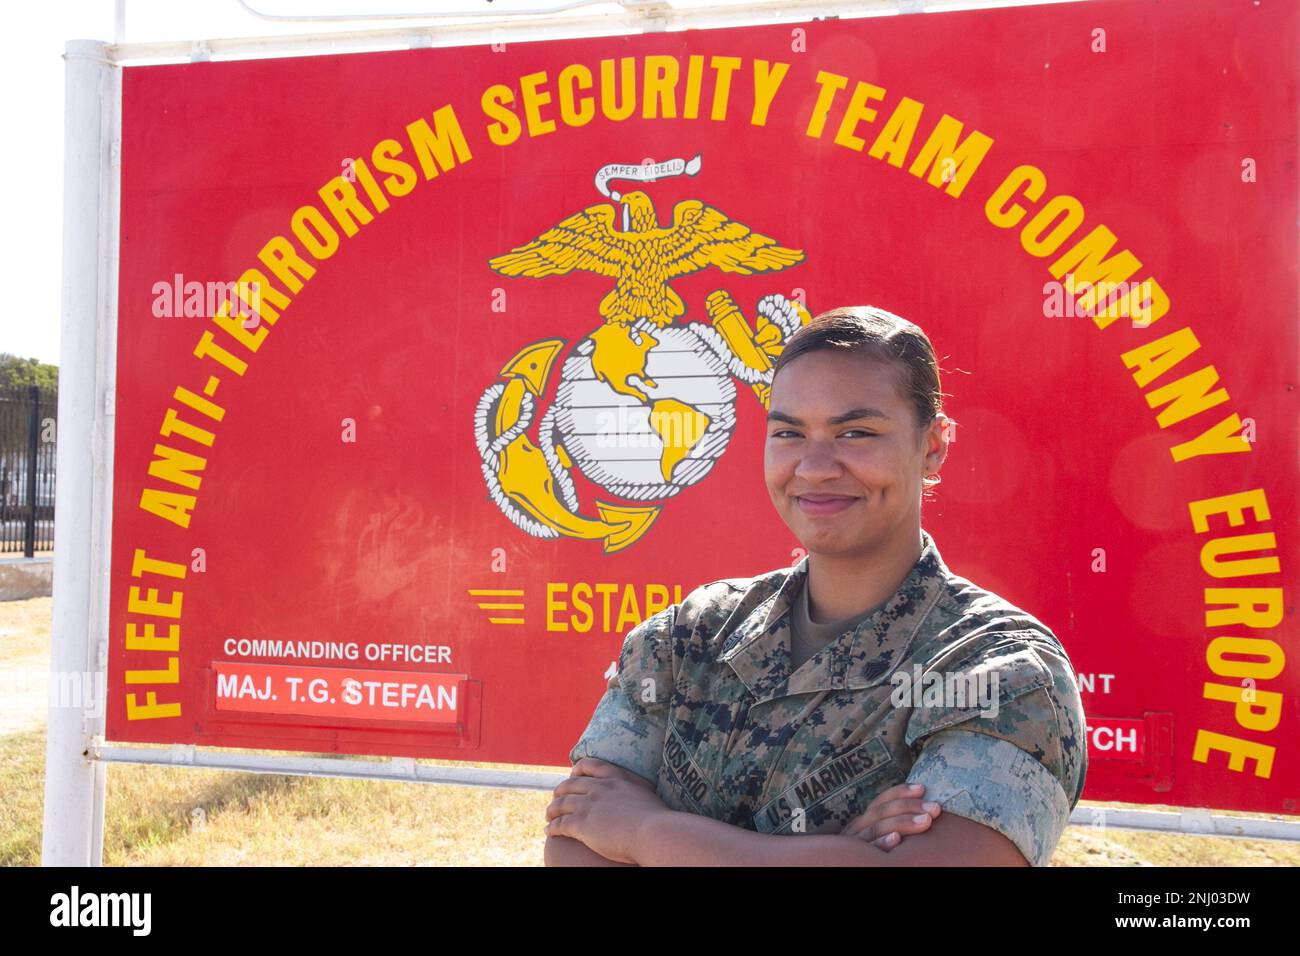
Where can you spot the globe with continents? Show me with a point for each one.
(644, 411)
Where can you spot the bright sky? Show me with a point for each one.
(31, 108)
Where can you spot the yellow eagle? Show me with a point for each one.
(645, 258)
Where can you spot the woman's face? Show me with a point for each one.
(844, 457)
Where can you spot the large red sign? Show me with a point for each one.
(490, 387)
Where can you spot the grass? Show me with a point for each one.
(178, 816)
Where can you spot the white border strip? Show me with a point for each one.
(481, 30)
(387, 768)
(1188, 822)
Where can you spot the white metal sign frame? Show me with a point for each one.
(76, 753)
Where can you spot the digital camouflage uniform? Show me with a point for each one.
(704, 703)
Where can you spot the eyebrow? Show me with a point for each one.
(853, 414)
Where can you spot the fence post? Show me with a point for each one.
(73, 832)
(33, 446)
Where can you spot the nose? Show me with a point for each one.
(818, 463)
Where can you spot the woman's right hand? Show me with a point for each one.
(892, 814)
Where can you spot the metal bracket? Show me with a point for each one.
(94, 743)
(653, 14)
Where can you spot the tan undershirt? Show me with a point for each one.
(807, 637)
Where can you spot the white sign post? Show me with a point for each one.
(73, 833)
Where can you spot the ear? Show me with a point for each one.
(935, 440)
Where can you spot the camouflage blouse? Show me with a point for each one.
(946, 684)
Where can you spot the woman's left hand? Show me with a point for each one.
(604, 806)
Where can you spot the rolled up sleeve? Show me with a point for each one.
(631, 719)
(994, 782)
(1017, 767)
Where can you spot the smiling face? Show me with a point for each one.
(844, 455)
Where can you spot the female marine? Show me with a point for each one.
(776, 719)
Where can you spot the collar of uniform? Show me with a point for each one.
(759, 648)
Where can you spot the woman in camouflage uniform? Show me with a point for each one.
(800, 701)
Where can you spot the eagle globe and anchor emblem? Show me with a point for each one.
(644, 407)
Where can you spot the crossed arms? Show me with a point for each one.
(1000, 779)
(603, 815)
